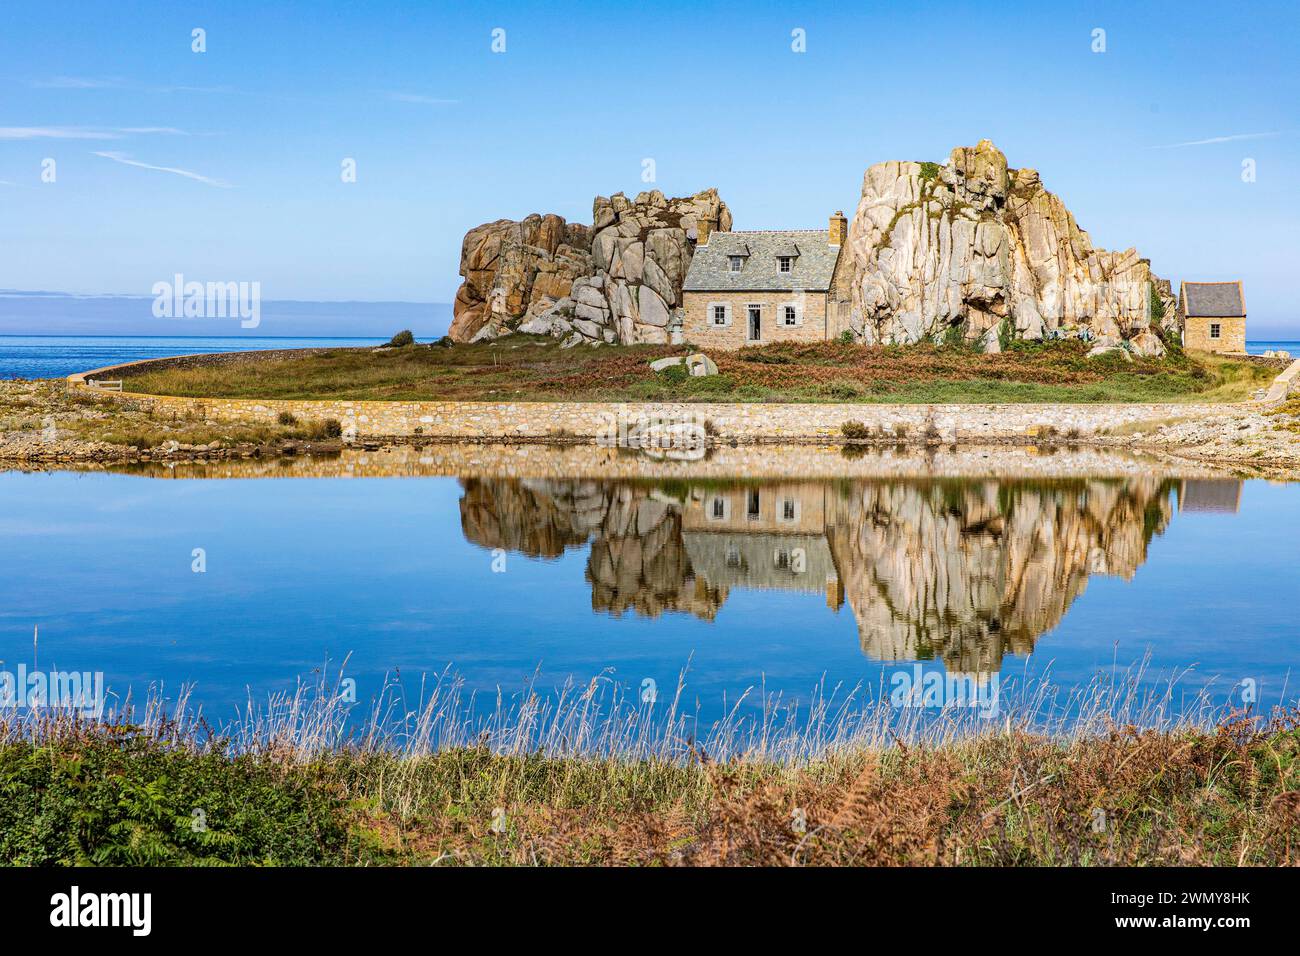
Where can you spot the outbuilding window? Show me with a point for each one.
(1215, 330)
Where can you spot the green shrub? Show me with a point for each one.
(855, 429)
(123, 800)
(288, 418)
(402, 338)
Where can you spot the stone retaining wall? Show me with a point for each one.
(740, 422)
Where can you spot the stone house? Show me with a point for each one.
(1213, 316)
(755, 287)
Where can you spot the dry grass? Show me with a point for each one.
(1108, 775)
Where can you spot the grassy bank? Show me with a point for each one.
(586, 776)
(524, 368)
(1227, 796)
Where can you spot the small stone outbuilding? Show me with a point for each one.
(1213, 316)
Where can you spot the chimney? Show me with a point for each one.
(703, 226)
(839, 228)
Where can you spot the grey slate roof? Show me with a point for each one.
(1215, 300)
(813, 266)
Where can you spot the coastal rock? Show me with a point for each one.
(974, 245)
(622, 277)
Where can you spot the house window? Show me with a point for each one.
(1215, 330)
(737, 263)
(784, 263)
(789, 315)
(719, 315)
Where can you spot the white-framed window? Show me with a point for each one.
(790, 315)
(719, 508)
(719, 314)
(736, 263)
(789, 510)
(785, 263)
(1216, 330)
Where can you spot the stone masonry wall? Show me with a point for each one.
(700, 330)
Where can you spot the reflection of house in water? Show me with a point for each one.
(1221, 495)
(770, 536)
(964, 571)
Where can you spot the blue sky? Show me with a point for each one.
(447, 134)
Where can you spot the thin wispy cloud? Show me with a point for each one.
(117, 83)
(76, 83)
(126, 160)
(420, 98)
(1219, 139)
(86, 132)
(55, 132)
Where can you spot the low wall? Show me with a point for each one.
(742, 422)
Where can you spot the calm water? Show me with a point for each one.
(785, 582)
(56, 356)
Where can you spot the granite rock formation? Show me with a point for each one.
(618, 280)
(975, 246)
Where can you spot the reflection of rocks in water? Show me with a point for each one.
(637, 558)
(540, 519)
(965, 571)
(969, 571)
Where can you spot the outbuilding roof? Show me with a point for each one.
(811, 271)
(1215, 300)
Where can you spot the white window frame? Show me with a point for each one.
(795, 510)
(712, 513)
(735, 263)
(798, 315)
(713, 323)
(1216, 330)
(785, 264)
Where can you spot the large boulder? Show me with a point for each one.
(971, 243)
(617, 280)
(515, 270)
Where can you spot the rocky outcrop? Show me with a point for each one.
(514, 271)
(974, 246)
(619, 280)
